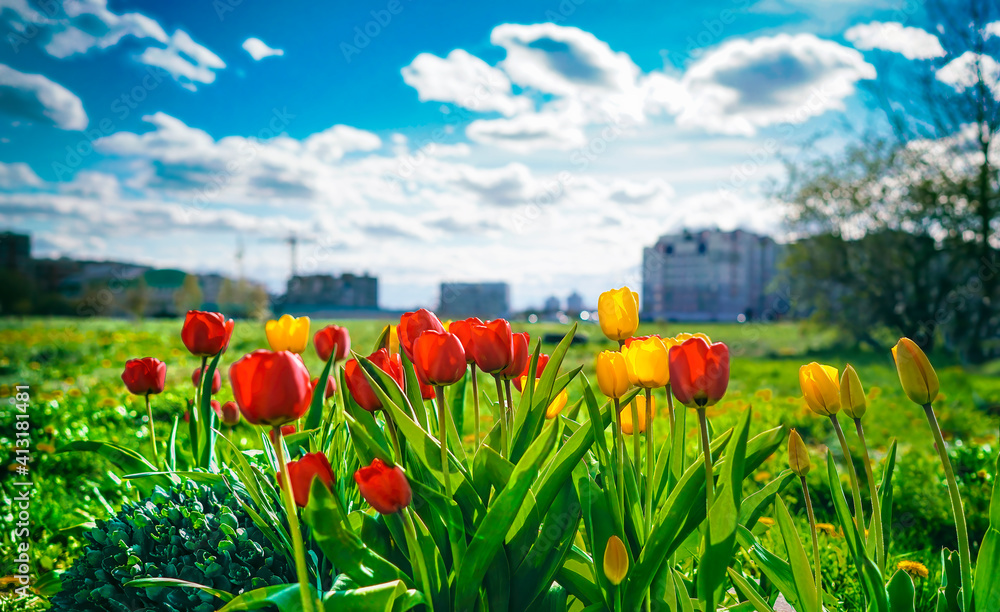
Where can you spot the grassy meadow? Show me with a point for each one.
(73, 368)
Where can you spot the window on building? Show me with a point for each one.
(702, 248)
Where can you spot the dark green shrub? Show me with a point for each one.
(191, 532)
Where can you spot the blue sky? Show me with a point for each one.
(540, 143)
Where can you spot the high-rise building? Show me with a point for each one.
(708, 276)
(484, 300)
(327, 292)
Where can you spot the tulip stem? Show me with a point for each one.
(876, 502)
(649, 461)
(503, 417)
(475, 403)
(815, 540)
(620, 451)
(636, 439)
(956, 506)
(510, 411)
(670, 411)
(420, 566)
(293, 523)
(706, 447)
(859, 511)
(443, 429)
(152, 432)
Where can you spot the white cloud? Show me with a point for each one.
(968, 69)
(35, 97)
(991, 29)
(258, 50)
(187, 61)
(912, 43)
(747, 84)
(91, 25)
(332, 144)
(18, 175)
(526, 133)
(465, 80)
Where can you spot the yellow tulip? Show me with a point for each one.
(916, 374)
(288, 333)
(640, 404)
(393, 340)
(615, 560)
(684, 337)
(821, 388)
(798, 454)
(646, 363)
(612, 374)
(852, 395)
(556, 405)
(618, 313)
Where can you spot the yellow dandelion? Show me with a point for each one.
(764, 394)
(49, 429)
(827, 528)
(873, 393)
(74, 392)
(761, 476)
(914, 568)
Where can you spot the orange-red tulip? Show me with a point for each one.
(699, 373)
(331, 387)
(438, 358)
(492, 345)
(463, 329)
(358, 385)
(216, 379)
(302, 473)
(521, 356)
(230, 414)
(206, 333)
(384, 488)
(412, 324)
(543, 360)
(146, 376)
(332, 340)
(271, 388)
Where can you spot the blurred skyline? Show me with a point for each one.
(538, 143)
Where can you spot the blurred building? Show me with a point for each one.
(15, 253)
(552, 304)
(484, 300)
(574, 303)
(320, 293)
(708, 276)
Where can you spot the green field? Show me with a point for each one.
(73, 370)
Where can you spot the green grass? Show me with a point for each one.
(73, 368)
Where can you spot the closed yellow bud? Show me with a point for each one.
(852, 395)
(640, 404)
(618, 313)
(612, 374)
(393, 340)
(557, 403)
(646, 363)
(615, 560)
(821, 388)
(916, 374)
(288, 333)
(798, 454)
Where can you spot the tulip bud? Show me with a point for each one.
(798, 454)
(216, 379)
(230, 414)
(646, 363)
(332, 340)
(492, 345)
(146, 376)
(303, 472)
(612, 374)
(358, 385)
(288, 333)
(206, 333)
(640, 405)
(412, 324)
(438, 358)
(543, 360)
(520, 357)
(852, 395)
(916, 374)
(618, 313)
(384, 488)
(615, 560)
(699, 372)
(463, 329)
(821, 388)
(271, 388)
(331, 387)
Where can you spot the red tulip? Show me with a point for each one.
(492, 345)
(302, 473)
(286, 430)
(438, 358)
(412, 324)
(271, 388)
(520, 360)
(230, 414)
(463, 329)
(331, 387)
(358, 385)
(332, 340)
(217, 408)
(216, 379)
(206, 333)
(699, 373)
(145, 376)
(543, 360)
(384, 488)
